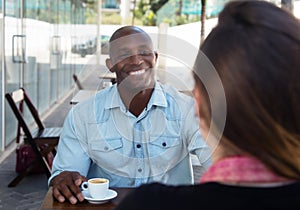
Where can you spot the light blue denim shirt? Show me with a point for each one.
(101, 138)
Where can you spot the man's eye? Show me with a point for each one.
(123, 56)
(145, 52)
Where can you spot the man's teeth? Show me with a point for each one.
(137, 72)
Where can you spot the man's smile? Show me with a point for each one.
(139, 72)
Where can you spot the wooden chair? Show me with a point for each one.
(42, 140)
(77, 82)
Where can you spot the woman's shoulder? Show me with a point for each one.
(160, 196)
(210, 196)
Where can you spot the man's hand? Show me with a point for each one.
(66, 185)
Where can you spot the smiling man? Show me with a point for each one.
(133, 60)
(135, 132)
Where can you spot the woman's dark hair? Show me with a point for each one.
(255, 49)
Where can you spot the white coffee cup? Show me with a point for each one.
(97, 187)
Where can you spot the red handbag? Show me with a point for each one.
(25, 156)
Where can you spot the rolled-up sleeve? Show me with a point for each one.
(71, 155)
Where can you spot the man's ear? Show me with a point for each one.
(109, 64)
(156, 56)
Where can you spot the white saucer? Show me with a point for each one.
(110, 195)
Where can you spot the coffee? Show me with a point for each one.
(97, 187)
(98, 181)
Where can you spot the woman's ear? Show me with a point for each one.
(197, 97)
(202, 125)
(109, 64)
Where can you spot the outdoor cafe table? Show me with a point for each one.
(108, 75)
(51, 203)
(82, 95)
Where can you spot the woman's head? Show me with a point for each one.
(255, 49)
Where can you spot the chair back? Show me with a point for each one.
(77, 82)
(19, 97)
(42, 141)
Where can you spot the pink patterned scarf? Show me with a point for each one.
(244, 169)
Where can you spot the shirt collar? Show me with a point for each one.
(158, 98)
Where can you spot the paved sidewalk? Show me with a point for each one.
(27, 195)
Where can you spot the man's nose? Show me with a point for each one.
(136, 59)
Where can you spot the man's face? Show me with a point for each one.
(133, 59)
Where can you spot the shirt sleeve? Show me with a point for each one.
(70, 154)
(196, 143)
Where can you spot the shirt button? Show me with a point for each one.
(164, 144)
(140, 170)
(105, 148)
(138, 146)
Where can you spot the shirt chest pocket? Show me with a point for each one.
(160, 145)
(108, 153)
(107, 145)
